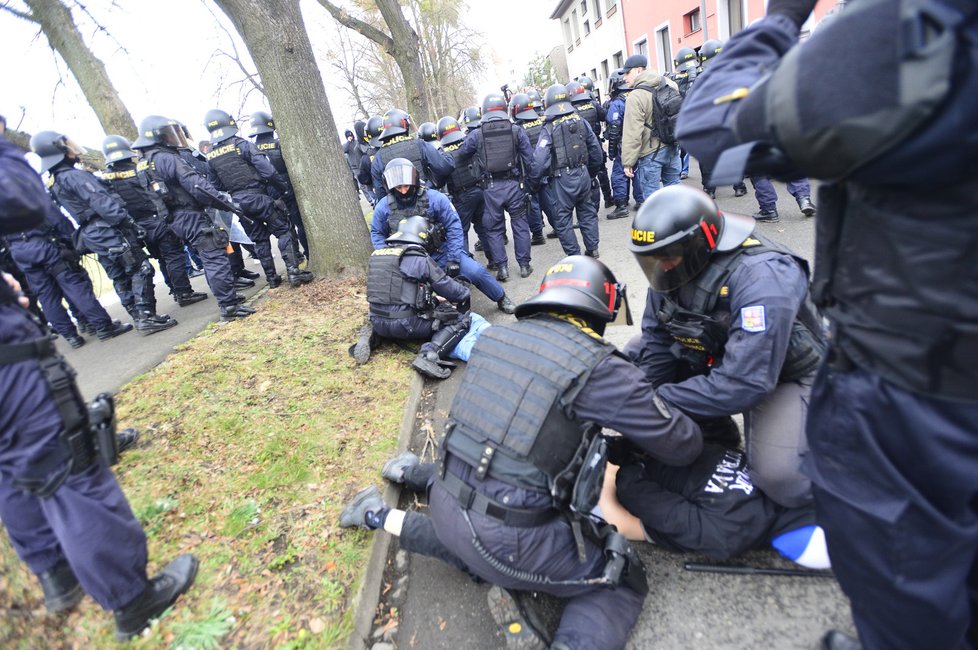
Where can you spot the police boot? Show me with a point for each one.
(364, 510)
(365, 344)
(710, 192)
(189, 298)
(620, 212)
(84, 327)
(538, 239)
(161, 592)
(297, 276)
(806, 206)
(502, 273)
(125, 439)
(248, 275)
(149, 323)
(767, 216)
(552, 234)
(245, 283)
(526, 271)
(429, 365)
(75, 341)
(513, 621)
(506, 305)
(274, 281)
(234, 312)
(478, 246)
(60, 587)
(740, 190)
(115, 328)
(836, 640)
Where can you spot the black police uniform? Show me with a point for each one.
(894, 448)
(105, 228)
(269, 145)
(434, 166)
(569, 154)
(465, 189)
(534, 215)
(595, 114)
(187, 193)
(130, 183)
(236, 166)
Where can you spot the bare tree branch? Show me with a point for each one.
(344, 18)
(24, 15)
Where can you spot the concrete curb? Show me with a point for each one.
(367, 597)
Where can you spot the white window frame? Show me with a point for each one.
(663, 61)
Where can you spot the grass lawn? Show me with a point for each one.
(254, 435)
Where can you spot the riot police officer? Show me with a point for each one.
(371, 135)
(729, 328)
(48, 258)
(527, 118)
(402, 284)
(434, 166)
(512, 456)
(104, 228)
(504, 156)
(569, 155)
(617, 92)
(894, 450)
(428, 132)
(128, 179)
(464, 185)
(582, 98)
(263, 130)
(407, 197)
(470, 117)
(185, 194)
(708, 52)
(684, 74)
(66, 516)
(237, 167)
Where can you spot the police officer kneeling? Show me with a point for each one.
(402, 281)
(511, 463)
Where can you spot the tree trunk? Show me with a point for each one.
(59, 28)
(276, 36)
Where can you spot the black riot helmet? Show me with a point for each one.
(375, 126)
(577, 93)
(262, 122)
(676, 231)
(686, 59)
(220, 125)
(396, 122)
(117, 149)
(418, 230)
(400, 171)
(428, 132)
(449, 131)
(536, 99)
(471, 117)
(616, 82)
(494, 107)
(556, 101)
(156, 129)
(580, 285)
(586, 83)
(54, 147)
(521, 108)
(709, 50)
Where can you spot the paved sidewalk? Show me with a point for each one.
(442, 608)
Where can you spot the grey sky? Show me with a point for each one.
(165, 68)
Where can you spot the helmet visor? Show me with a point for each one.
(72, 148)
(674, 265)
(404, 174)
(172, 135)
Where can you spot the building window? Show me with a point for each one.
(577, 31)
(692, 22)
(597, 8)
(567, 32)
(642, 47)
(663, 46)
(618, 60)
(604, 68)
(587, 27)
(583, 7)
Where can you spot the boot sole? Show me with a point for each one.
(519, 634)
(154, 330)
(347, 520)
(361, 351)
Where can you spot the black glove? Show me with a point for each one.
(453, 269)
(797, 10)
(613, 150)
(621, 451)
(70, 255)
(594, 183)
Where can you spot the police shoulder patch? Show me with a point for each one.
(752, 318)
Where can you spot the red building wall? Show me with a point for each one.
(644, 20)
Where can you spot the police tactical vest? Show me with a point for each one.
(171, 191)
(896, 276)
(397, 213)
(403, 146)
(532, 128)
(701, 330)
(269, 145)
(129, 182)
(387, 286)
(234, 172)
(589, 114)
(569, 144)
(465, 175)
(499, 148)
(512, 417)
(81, 213)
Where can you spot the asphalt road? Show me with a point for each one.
(444, 609)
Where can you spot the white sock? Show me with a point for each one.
(394, 522)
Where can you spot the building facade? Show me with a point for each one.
(593, 38)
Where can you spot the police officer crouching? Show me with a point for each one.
(402, 282)
(523, 461)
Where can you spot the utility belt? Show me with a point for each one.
(27, 236)
(502, 176)
(88, 433)
(557, 172)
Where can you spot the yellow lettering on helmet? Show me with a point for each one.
(643, 236)
(212, 123)
(560, 268)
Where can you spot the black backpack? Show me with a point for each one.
(666, 102)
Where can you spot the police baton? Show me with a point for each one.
(742, 569)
